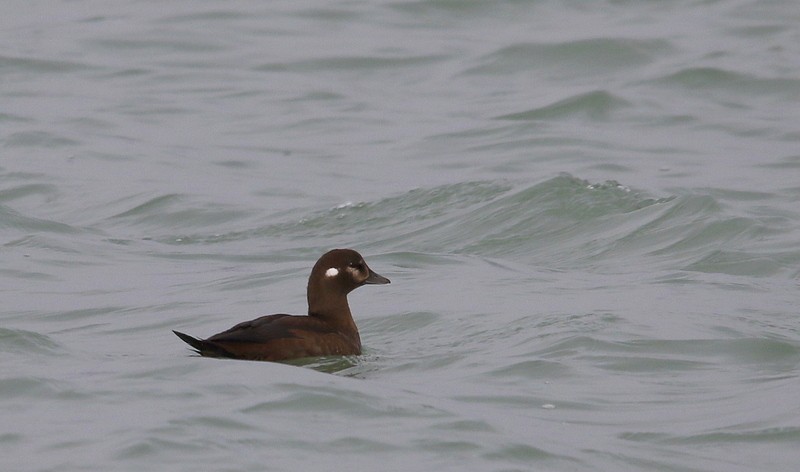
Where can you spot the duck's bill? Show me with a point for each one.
(376, 278)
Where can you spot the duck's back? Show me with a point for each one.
(275, 338)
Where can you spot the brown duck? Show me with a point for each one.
(328, 330)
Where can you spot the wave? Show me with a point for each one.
(598, 55)
(596, 104)
(560, 222)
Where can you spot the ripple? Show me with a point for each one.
(11, 438)
(532, 369)
(216, 423)
(43, 139)
(21, 191)
(713, 78)
(172, 211)
(202, 16)
(349, 402)
(477, 426)
(159, 45)
(35, 387)
(21, 341)
(351, 63)
(599, 55)
(521, 452)
(38, 66)
(595, 105)
(745, 263)
(148, 447)
(653, 355)
(790, 435)
(10, 219)
(448, 8)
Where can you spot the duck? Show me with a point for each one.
(327, 330)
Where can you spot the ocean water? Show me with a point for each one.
(588, 211)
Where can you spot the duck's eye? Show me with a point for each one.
(359, 266)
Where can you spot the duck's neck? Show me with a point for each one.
(333, 308)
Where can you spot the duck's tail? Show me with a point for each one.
(198, 344)
(203, 347)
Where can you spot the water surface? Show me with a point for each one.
(588, 213)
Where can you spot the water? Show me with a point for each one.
(588, 212)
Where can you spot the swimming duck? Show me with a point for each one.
(328, 330)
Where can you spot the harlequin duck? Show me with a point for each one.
(328, 329)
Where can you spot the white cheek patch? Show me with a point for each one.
(332, 272)
(354, 273)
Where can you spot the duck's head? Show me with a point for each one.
(343, 270)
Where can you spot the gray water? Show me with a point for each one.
(588, 210)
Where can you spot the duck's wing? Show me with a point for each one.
(259, 330)
(275, 337)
